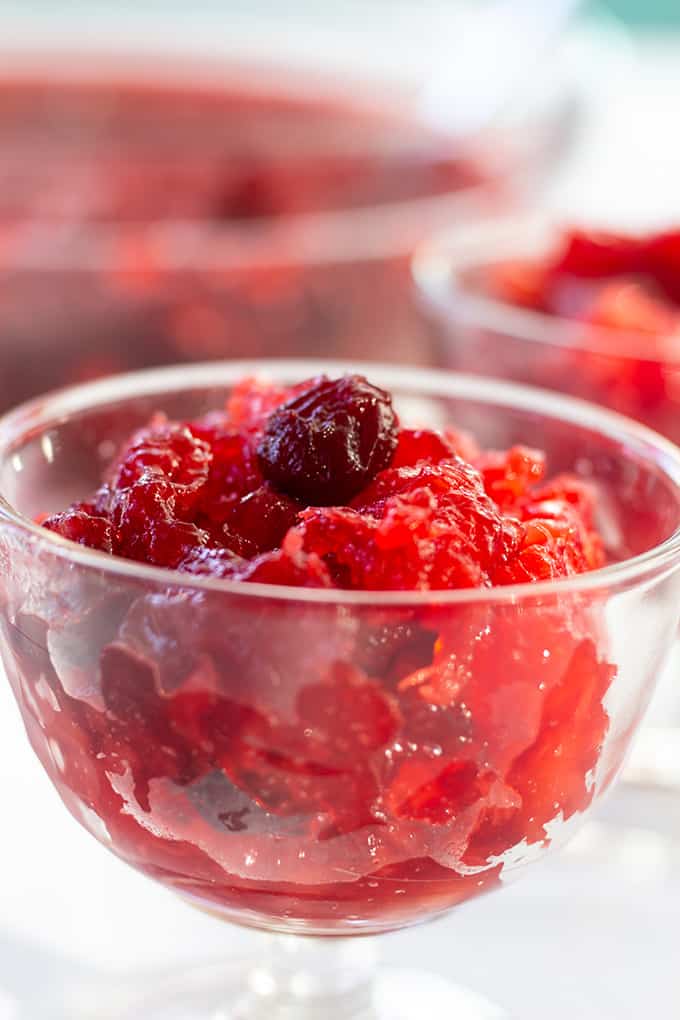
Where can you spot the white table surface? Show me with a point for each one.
(593, 934)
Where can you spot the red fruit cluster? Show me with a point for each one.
(300, 760)
(318, 482)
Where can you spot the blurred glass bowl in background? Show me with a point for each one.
(170, 195)
(635, 372)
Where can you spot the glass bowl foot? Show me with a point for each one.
(226, 993)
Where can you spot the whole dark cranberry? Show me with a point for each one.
(325, 445)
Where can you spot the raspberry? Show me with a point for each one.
(431, 526)
(323, 446)
(147, 528)
(169, 452)
(83, 525)
(233, 473)
(288, 566)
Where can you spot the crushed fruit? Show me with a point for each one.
(324, 762)
(322, 475)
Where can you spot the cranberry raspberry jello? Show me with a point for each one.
(318, 484)
(337, 654)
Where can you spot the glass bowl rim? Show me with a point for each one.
(36, 415)
(440, 262)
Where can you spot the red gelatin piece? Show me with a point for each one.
(521, 283)
(556, 775)
(434, 792)
(259, 521)
(211, 725)
(393, 650)
(595, 255)
(509, 476)
(348, 718)
(663, 255)
(497, 723)
(138, 739)
(252, 401)
(629, 306)
(422, 444)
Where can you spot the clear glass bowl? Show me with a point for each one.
(153, 210)
(629, 372)
(268, 753)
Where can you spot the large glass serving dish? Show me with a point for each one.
(201, 184)
(267, 752)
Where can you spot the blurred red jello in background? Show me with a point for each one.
(592, 313)
(160, 211)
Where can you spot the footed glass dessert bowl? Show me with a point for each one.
(322, 665)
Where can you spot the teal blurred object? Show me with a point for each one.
(646, 12)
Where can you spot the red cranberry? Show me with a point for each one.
(324, 446)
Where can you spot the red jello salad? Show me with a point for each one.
(327, 763)
(318, 484)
